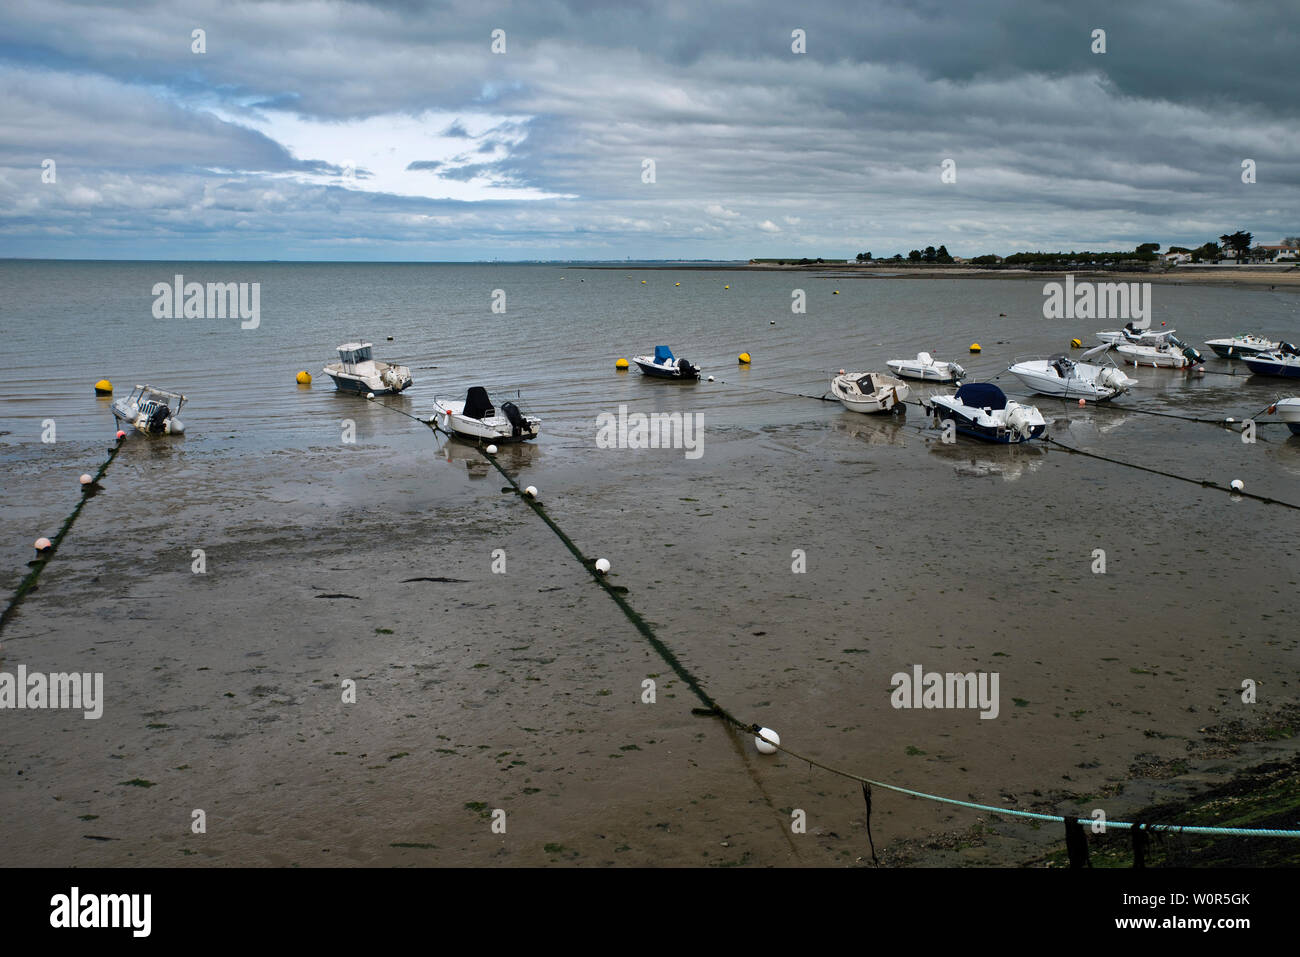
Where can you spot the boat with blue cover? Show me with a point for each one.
(664, 365)
(982, 411)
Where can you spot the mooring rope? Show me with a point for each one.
(29, 582)
(713, 709)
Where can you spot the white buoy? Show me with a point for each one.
(1238, 485)
(531, 491)
(85, 478)
(602, 565)
(42, 544)
(763, 746)
(710, 378)
(1230, 420)
(842, 372)
(370, 395)
(492, 449)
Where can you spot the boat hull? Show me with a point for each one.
(665, 372)
(1038, 376)
(888, 394)
(910, 370)
(1267, 365)
(346, 383)
(1239, 348)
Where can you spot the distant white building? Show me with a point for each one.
(1279, 252)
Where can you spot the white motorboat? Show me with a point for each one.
(1282, 361)
(1288, 410)
(982, 410)
(477, 418)
(664, 365)
(869, 391)
(1160, 350)
(357, 371)
(1062, 376)
(1131, 333)
(926, 367)
(147, 410)
(1238, 347)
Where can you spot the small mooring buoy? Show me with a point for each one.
(743, 358)
(304, 377)
(85, 478)
(726, 287)
(676, 284)
(835, 293)
(1238, 485)
(620, 363)
(1076, 343)
(602, 565)
(531, 491)
(974, 347)
(103, 387)
(710, 378)
(120, 435)
(1229, 420)
(370, 395)
(643, 282)
(764, 747)
(42, 544)
(492, 449)
(1082, 403)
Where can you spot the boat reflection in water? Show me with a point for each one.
(456, 451)
(885, 430)
(1009, 461)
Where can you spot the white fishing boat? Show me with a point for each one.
(664, 365)
(927, 368)
(1061, 376)
(1238, 347)
(1288, 410)
(358, 371)
(1131, 333)
(1282, 361)
(149, 410)
(981, 410)
(1161, 350)
(869, 391)
(477, 418)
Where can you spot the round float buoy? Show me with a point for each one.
(531, 491)
(370, 395)
(85, 478)
(773, 322)
(1082, 403)
(835, 293)
(304, 377)
(620, 363)
(643, 282)
(492, 449)
(120, 435)
(602, 565)
(676, 284)
(1076, 343)
(390, 338)
(841, 372)
(710, 378)
(42, 544)
(1230, 420)
(974, 347)
(743, 358)
(726, 287)
(1238, 485)
(765, 746)
(1002, 315)
(103, 387)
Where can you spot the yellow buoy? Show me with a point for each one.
(620, 364)
(304, 378)
(1076, 343)
(835, 293)
(743, 358)
(103, 387)
(643, 282)
(676, 284)
(974, 347)
(726, 287)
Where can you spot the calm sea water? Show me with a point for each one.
(68, 324)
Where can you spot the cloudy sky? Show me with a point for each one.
(394, 131)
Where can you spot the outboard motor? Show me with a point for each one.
(518, 424)
(158, 418)
(1188, 351)
(687, 369)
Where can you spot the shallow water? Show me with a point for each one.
(522, 690)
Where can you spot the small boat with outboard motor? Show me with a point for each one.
(664, 365)
(1283, 361)
(477, 418)
(869, 392)
(982, 411)
(150, 410)
(1238, 347)
(1160, 350)
(1061, 376)
(358, 371)
(926, 368)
